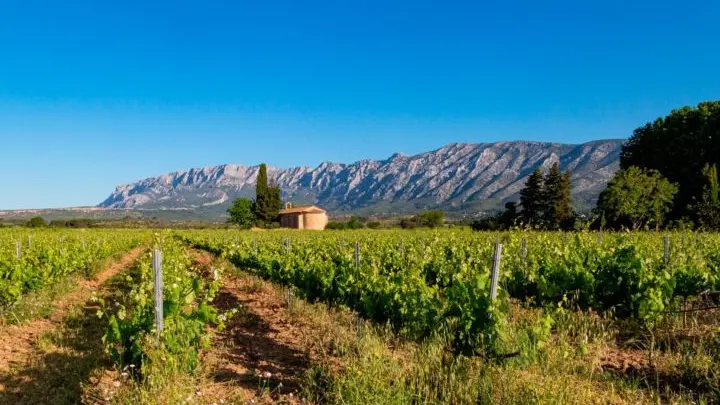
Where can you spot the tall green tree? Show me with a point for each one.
(552, 193)
(268, 199)
(241, 213)
(531, 198)
(678, 146)
(275, 203)
(636, 198)
(708, 209)
(260, 206)
(563, 202)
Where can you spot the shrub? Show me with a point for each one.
(36, 222)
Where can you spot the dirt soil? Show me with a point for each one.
(623, 361)
(263, 353)
(18, 343)
(633, 364)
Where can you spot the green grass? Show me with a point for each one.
(380, 368)
(37, 304)
(41, 304)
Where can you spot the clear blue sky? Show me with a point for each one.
(98, 93)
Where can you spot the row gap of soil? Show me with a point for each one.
(264, 352)
(47, 361)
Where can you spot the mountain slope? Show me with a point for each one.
(461, 177)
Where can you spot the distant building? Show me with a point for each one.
(310, 217)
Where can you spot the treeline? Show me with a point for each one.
(668, 175)
(40, 222)
(545, 203)
(355, 222)
(667, 179)
(427, 219)
(127, 223)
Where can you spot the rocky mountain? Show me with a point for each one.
(456, 177)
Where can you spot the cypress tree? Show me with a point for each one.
(260, 207)
(268, 200)
(531, 198)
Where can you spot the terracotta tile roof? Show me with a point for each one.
(299, 210)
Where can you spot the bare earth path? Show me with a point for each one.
(265, 350)
(47, 349)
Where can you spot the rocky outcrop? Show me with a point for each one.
(454, 177)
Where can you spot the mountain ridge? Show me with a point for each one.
(457, 176)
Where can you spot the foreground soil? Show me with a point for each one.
(266, 348)
(40, 359)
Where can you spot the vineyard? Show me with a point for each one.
(414, 280)
(30, 261)
(448, 316)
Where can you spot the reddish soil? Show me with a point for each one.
(263, 352)
(19, 342)
(660, 374)
(624, 361)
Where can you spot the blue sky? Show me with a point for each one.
(94, 94)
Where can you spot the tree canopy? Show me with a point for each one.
(531, 197)
(268, 201)
(429, 219)
(36, 222)
(241, 213)
(545, 200)
(708, 209)
(556, 204)
(678, 146)
(636, 198)
(264, 210)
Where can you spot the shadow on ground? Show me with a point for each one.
(57, 375)
(252, 351)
